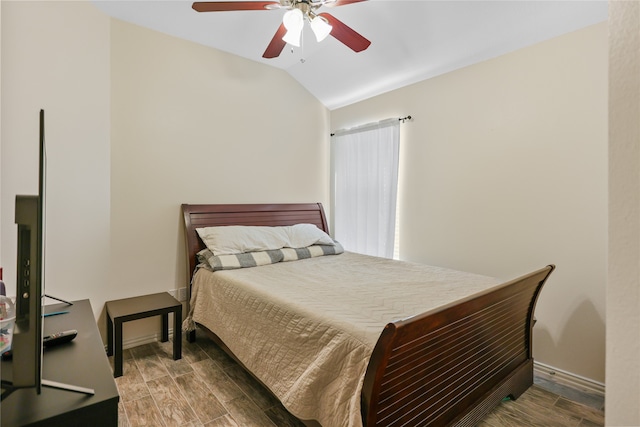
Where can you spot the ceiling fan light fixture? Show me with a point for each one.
(293, 21)
(293, 37)
(321, 28)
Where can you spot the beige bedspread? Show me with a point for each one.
(307, 328)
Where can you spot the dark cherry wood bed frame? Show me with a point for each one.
(448, 366)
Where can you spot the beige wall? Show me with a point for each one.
(504, 170)
(55, 56)
(138, 123)
(194, 125)
(623, 292)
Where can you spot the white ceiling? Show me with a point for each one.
(410, 40)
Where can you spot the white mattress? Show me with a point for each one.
(307, 328)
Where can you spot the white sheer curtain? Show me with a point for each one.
(365, 187)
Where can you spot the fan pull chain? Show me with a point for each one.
(302, 59)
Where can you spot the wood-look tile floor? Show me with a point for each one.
(207, 388)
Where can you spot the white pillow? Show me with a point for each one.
(234, 239)
(303, 235)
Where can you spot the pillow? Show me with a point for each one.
(303, 235)
(234, 239)
(235, 261)
(254, 259)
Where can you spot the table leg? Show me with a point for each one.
(117, 357)
(165, 327)
(177, 334)
(109, 336)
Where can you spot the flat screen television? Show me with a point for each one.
(27, 345)
(27, 336)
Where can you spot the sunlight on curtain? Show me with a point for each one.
(365, 186)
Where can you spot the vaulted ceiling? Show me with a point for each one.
(410, 40)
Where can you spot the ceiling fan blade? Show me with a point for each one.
(346, 34)
(277, 44)
(341, 2)
(224, 6)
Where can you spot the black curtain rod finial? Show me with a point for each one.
(403, 119)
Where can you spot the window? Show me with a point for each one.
(365, 187)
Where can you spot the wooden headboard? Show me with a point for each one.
(197, 216)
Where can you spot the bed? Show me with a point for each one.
(446, 365)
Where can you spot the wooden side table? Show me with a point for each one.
(124, 310)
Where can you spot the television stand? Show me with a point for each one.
(82, 361)
(68, 387)
(8, 388)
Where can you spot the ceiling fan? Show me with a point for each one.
(290, 30)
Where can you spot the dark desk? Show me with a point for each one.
(82, 362)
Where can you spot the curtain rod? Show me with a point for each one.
(402, 119)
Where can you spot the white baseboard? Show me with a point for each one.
(147, 339)
(556, 375)
(569, 379)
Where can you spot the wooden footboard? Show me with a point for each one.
(452, 365)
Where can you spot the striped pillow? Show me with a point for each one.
(255, 259)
